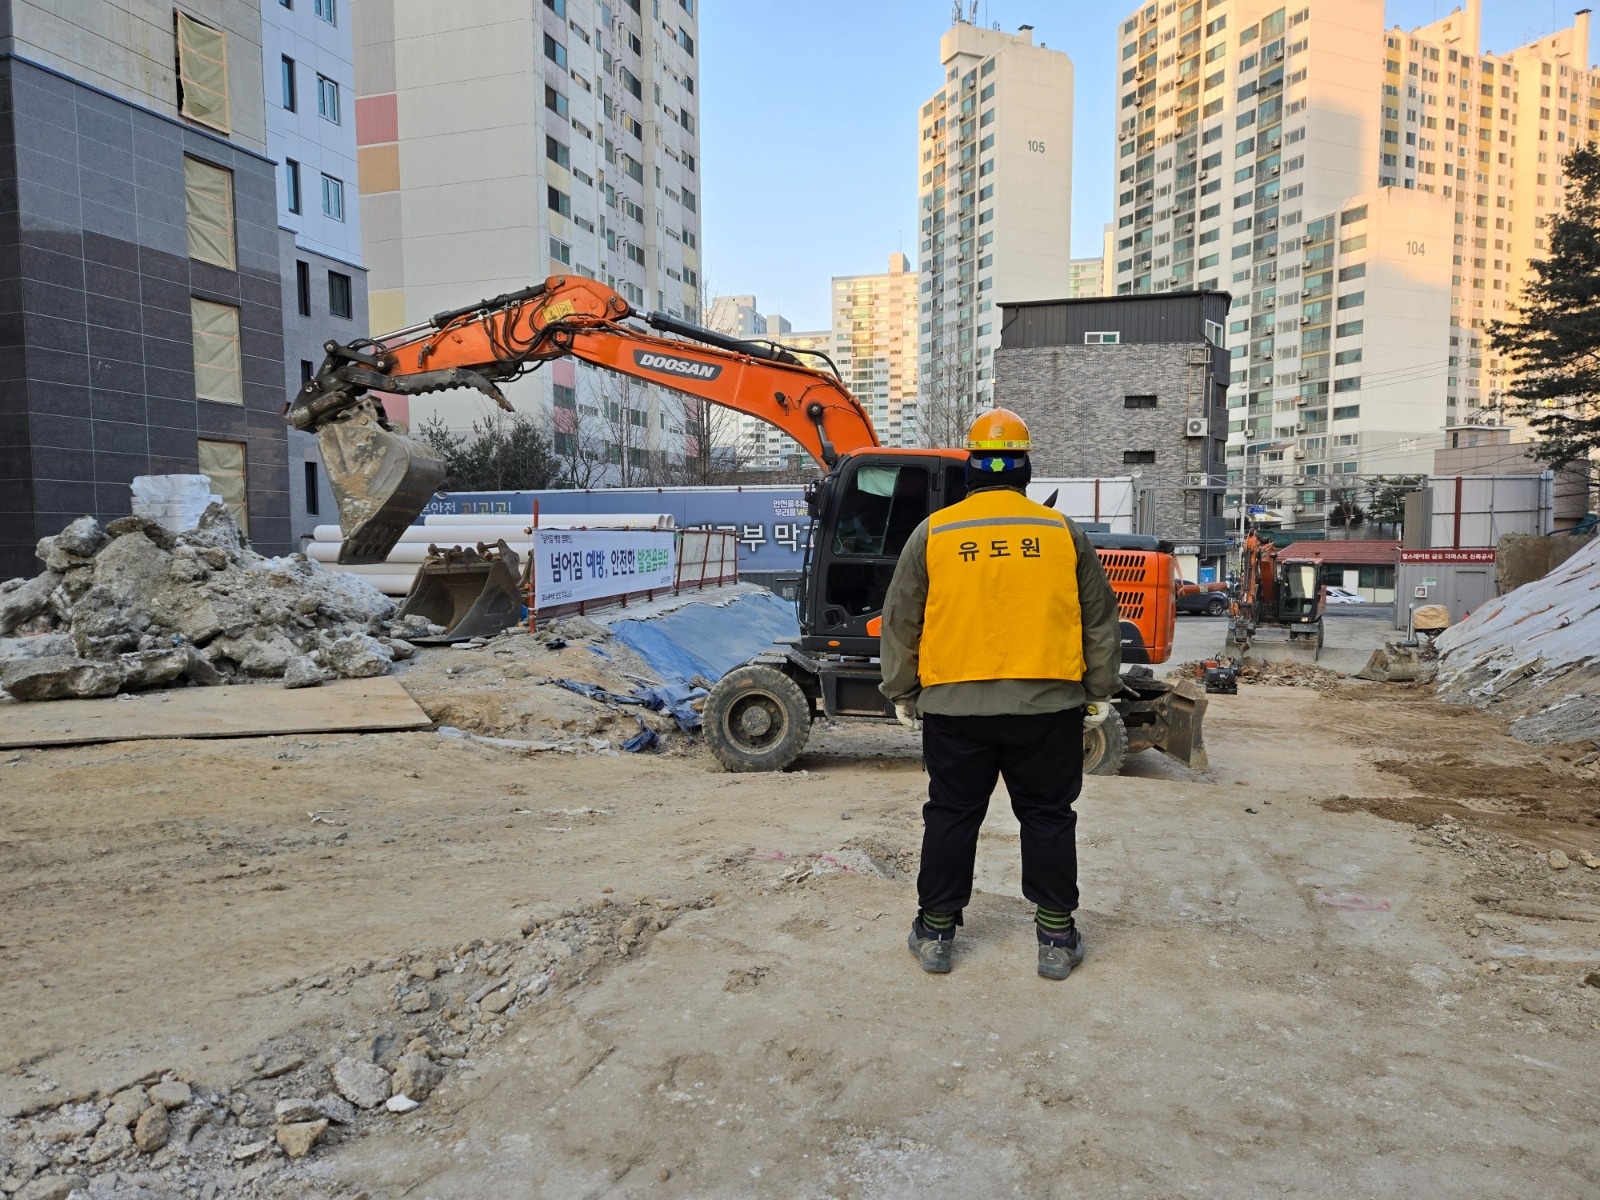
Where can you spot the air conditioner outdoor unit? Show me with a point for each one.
(1276, 142)
(1299, 453)
(1272, 222)
(1204, 175)
(1303, 376)
(1190, 155)
(1196, 427)
(1300, 428)
(1301, 401)
(1266, 356)
(1274, 170)
(1199, 480)
(1272, 252)
(1124, 135)
(1269, 302)
(1299, 508)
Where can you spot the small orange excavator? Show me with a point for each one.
(864, 507)
(1278, 616)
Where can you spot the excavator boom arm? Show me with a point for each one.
(382, 479)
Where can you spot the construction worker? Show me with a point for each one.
(1001, 632)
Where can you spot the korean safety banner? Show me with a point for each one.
(570, 565)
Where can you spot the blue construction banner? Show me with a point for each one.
(770, 522)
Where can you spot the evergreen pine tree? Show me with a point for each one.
(1554, 339)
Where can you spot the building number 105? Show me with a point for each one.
(1035, 146)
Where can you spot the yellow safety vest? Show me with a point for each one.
(1002, 593)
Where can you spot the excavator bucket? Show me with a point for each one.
(472, 593)
(1165, 716)
(1276, 643)
(381, 479)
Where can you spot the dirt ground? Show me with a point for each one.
(1338, 964)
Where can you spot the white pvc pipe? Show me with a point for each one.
(328, 552)
(559, 520)
(421, 535)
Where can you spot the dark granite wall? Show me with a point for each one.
(96, 357)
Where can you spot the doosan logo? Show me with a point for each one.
(676, 366)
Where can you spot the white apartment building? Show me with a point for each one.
(1310, 162)
(1088, 278)
(995, 202)
(503, 141)
(736, 316)
(308, 66)
(875, 346)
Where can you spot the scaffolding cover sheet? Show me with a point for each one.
(709, 639)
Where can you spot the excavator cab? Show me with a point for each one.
(865, 510)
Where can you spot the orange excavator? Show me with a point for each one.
(1278, 616)
(863, 508)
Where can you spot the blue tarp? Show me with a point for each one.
(709, 640)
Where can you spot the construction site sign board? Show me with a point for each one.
(1447, 556)
(570, 565)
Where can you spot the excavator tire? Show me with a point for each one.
(756, 719)
(1105, 748)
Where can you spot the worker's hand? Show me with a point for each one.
(1095, 713)
(906, 714)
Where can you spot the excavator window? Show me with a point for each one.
(1299, 589)
(880, 508)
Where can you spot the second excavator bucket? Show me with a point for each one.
(1276, 643)
(381, 479)
(472, 593)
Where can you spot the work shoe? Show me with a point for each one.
(933, 951)
(1057, 956)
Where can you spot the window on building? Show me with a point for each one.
(313, 500)
(332, 198)
(327, 99)
(1353, 384)
(203, 73)
(1138, 456)
(557, 152)
(689, 199)
(1353, 300)
(558, 201)
(1347, 412)
(555, 51)
(559, 7)
(1138, 402)
(291, 181)
(302, 287)
(328, 10)
(686, 41)
(224, 464)
(560, 251)
(218, 373)
(286, 79)
(208, 209)
(555, 101)
(1102, 338)
(340, 301)
(564, 396)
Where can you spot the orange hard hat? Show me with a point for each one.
(999, 431)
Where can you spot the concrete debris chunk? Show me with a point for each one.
(153, 1129)
(400, 1104)
(50, 1187)
(27, 601)
(60, 677)
(174, 1093)
(111, 1141)
(364, 1084)
(337, 1109)
(296, 1110)
(298, 1138)
(1559, 861)
(198, 607)
(357, 656)
(126, 1106)
(416, 1075)
(303, 672)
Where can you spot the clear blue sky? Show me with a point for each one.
(809, 126)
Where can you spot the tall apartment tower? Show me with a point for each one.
(145, 326)
(760, 446)
(308, 69)
(875, 346)
(995, 203)
(736, 316)
(519, 139)
(1350, 186)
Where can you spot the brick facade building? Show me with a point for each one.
(1132, 385)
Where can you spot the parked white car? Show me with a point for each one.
(1339, 595)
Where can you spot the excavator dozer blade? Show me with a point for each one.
(472, 593)
(1276, 644)
(1180, 716)
(381, 479)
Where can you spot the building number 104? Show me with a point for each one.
(1035, 146)
(1416, 250)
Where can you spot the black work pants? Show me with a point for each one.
(1041, 759)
